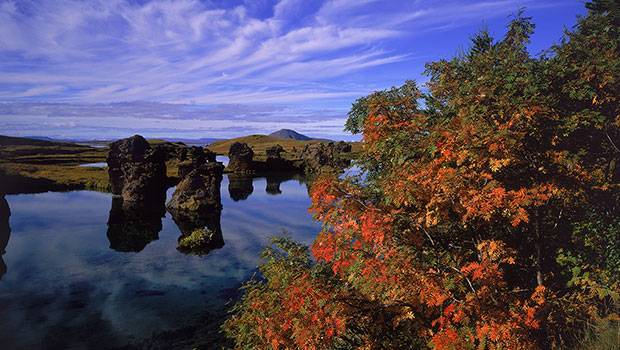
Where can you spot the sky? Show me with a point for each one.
(107, 69)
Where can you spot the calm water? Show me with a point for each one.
(66, 288)
(94, 165)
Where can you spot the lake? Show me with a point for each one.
(66, 288)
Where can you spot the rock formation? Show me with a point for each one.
(137, 174)
(209, 155)
(5, 232)
(190, 158)
(201, 242)
(319, 155)
(273, 152)
(170, 150)
(208, 224)
(275, 163)
(196, 204)
(240, 158)
(199, 190)
(342, 147)
(137, 171)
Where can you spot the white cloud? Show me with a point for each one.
(164, 119)
(105, 50)
(260, 52)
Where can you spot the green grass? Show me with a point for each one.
(31, 160)
(258, 143)
(67, 175)
(198, 242)
(34, 160)
(603, 336)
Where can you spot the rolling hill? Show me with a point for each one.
(259, 143)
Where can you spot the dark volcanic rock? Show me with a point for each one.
(5, 232)
(240, 158)
(192, 158)
(137, 171)
(199, 190)
(210, 155)
(170, 150)
(194, 154)
(189, 221)
(319, 155)
(342, 147)
(131, 226)
(196, 207)
(239, 187)
(209, 236)
(273, 152)
(275, 163)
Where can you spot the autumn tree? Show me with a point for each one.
(487, 218)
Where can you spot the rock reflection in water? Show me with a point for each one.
(239, 187)
(209, 235)
(275, 179)
(5, 232)
(132, 226)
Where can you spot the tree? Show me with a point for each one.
(483, 215)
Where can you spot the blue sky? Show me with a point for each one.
(105, 69)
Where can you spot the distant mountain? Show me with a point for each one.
(41, 138)
(290, 134)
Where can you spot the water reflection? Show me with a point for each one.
(239, 186)
(275, 179)
(67, 289)
(132, 226)
(189, 222)
(5, 232)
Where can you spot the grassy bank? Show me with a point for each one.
(260, 143)
(31, 165)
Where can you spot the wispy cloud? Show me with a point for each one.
(308, 54)
(164, 50)
(154, 119)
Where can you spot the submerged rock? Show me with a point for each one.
(201, 242)
(240, 158)
(137, 171)
(201, 232)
